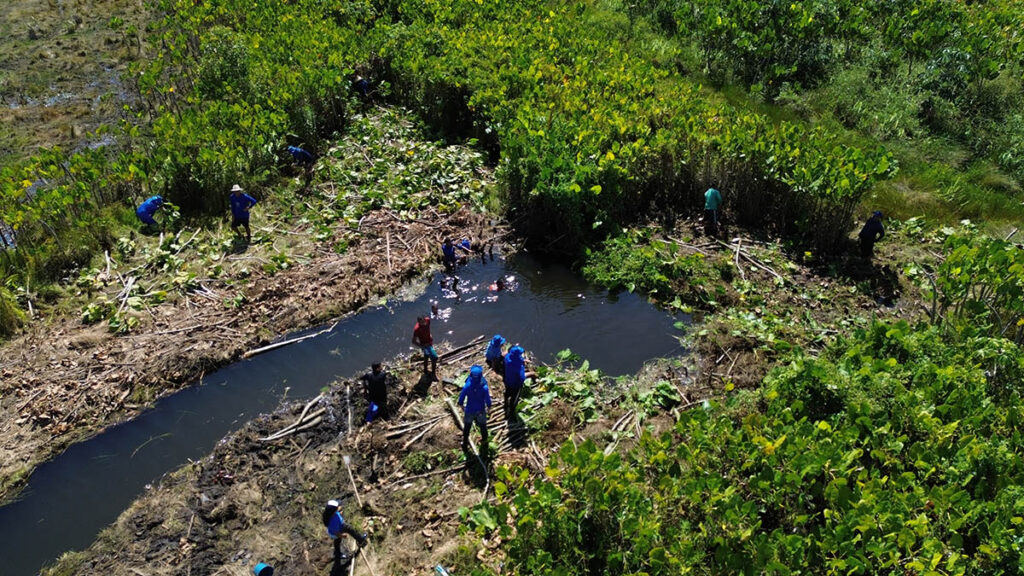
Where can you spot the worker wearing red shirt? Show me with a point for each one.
(421, 337)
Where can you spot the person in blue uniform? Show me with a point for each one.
(495, 353)
(336, 527)
(241, 203)
(147, 209)
(476, 399)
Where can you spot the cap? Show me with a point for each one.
(476, 372)
(236, 188)
(333, 503)
(262, 569)
(516, 351)
(498, 339)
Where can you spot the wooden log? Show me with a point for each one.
(277, 345)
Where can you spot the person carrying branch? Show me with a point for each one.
(336, 527)
(872, 232)
(375, 383)
(421, 337)
(476, 398)
(241, 203)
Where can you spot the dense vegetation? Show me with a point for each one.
(896, 450)
(592, 125)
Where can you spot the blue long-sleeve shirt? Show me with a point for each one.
(240, 203)
(476, 395)
(493, 350)
(301, 156)
(515, 370)
(150, 206)
(872, 230)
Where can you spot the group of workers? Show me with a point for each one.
(240, 202)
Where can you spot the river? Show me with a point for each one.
(546, 308)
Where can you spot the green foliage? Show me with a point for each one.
(11, 316)
(888, 453)
(592, 130)
(631, 261)
(978, 289)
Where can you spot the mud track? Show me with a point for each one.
(64, 382)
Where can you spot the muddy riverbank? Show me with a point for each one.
(255, 500)
(65, 381)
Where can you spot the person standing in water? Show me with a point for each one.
(421, 337)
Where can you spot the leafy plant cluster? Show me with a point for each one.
(978, 289)
(662, 269)
(898, 450)
(594, 128)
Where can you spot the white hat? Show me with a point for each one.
(333, 503)
(236, 188)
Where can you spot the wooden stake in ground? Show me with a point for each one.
(352, 478)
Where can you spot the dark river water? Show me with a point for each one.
(547, 308)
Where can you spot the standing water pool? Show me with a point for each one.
(546, 308)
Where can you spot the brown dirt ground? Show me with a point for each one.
(817, 297)
(63, 382)
(254, 501)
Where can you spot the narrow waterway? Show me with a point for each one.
(546, 308)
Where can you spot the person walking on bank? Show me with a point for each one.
(514, 377)
(147, 209)
(495, 355)
(421, 337)
(376, 384)
(872, 232)
(241, 203)
(712, 205)
(336, 526)
(476, 398)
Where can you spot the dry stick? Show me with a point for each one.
(417, 426)
(302, 415)
(743, 276)
(431, 473)
(1010, 235)
(685, 245)
(352, 478)
(348, 403)
(387, 237)
(620, 420)
(185, 329)
(270, 347)
(315, 419)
